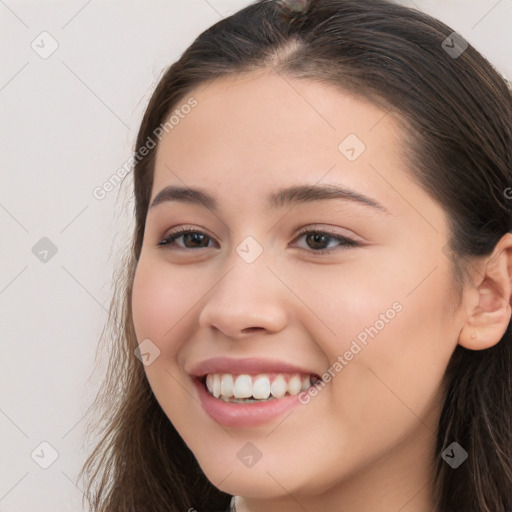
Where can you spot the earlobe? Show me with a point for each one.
(488, 319)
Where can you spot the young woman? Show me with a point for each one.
(315, 310)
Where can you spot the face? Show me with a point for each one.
(363, 300)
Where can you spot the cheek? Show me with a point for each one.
(344, 302)
(392, 336)
(161, 300)
(149, 301)
(394, 379)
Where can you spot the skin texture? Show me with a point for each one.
(366, 441)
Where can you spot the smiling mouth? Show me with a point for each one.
(264, 387)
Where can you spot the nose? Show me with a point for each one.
(248, 297)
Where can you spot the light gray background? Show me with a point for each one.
(68, 122)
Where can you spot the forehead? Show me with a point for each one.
(255, 110)
(250, 134)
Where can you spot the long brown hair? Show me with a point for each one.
(456, 111)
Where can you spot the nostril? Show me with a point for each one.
(252, 329)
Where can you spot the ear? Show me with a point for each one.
(489, 315)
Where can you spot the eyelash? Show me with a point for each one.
(346, 242)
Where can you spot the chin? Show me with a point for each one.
(265, 479)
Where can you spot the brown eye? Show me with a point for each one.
(192, 239)
(317, 240)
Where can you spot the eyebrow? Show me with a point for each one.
(298, 194)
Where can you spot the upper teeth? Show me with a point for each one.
(261, 386)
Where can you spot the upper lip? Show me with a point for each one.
(236, 366)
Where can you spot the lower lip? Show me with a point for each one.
(243, 415)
